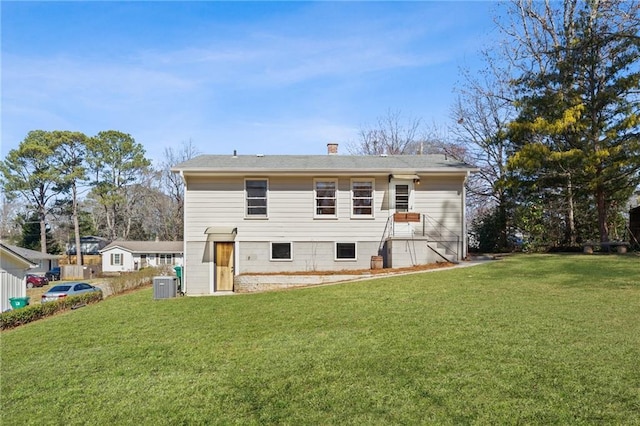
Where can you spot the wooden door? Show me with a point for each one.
(224, 266)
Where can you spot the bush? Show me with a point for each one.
(31, 313)
(133, 280)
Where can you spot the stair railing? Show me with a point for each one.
(438, 227)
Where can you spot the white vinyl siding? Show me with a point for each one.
(291, 207)
(441, 199)
(291, 200)
(220, 201)
(12, 279)
(308, 256)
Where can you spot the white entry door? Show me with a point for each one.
(401, 194)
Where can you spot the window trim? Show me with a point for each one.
(246, 199)
(345, 259)
(317, 215)
(372, 181)
(113, 259)
(272, 259)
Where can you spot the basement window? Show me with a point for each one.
(345, 251)
(281, 251)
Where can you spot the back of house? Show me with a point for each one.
(248, 214)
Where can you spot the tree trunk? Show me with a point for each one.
(602, 215)
(43, 231)
(571, 219)
(76, 226)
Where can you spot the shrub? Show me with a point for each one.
(31, 313)
(133, 280)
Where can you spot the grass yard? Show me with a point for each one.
(537, 339)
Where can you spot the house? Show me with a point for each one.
(43, 261)
(287, 213)
(89, 245)
(13, 269)
(127, 256)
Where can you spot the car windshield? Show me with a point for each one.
(59, 289)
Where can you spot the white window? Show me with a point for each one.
(325, 197)
(116, 258)
(346, 251)
(165, 259)
(281, 251)
(256, 197)
(362, 198)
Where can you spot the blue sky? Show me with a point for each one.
(258, 77)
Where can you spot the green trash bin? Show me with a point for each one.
(178, 270)
(19, 302)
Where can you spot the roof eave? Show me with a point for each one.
(260, 170)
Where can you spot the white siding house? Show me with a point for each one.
(13, 268)
(286, 213)
(42, 261)
(127, 256)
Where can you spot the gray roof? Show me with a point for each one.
(322, 163)
(31, 255)
(9, 249)
(147, 246)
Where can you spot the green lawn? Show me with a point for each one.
(539, 339)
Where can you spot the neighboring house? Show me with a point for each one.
(43, 261)
(90, 245)
(127, 256)
(13, 268)
(286, 213)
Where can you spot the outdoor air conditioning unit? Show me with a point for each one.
(165, 287)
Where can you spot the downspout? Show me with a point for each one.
(464, 237)
(184, 234)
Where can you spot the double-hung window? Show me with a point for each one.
(362, 198)
(116, 258)
(256, 197)
(326, 191)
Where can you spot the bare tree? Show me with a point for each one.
(393, 135)
(482, 114)
(170, 199)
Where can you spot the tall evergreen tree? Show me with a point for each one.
(69, 159)
(578, 127)
(29, 173)
(116, 162)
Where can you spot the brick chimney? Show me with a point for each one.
(332, 148)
